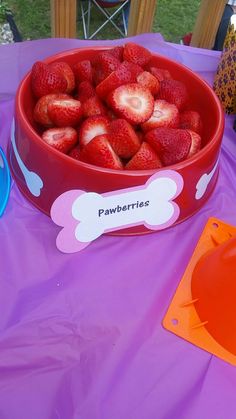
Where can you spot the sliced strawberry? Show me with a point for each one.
(191, 120)
(45, 81)
(62, 139)
(85, 91)
(159, 73)
(136, 54)
(41, 108)
(93, 106)
(174, 91)
(65, 112)
(132, 102)
(91, 127)
(65, 71)
(83, 71)
(145, 159)
(147, 80)
(123, 138)
(164, 115)
(172, 145)
(100, 153)
(195, 144)
(122, 75)
(117, 52)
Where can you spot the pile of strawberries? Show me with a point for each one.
(117, 110)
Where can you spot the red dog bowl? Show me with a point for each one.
(42, 173)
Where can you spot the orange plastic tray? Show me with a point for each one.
(203, 309)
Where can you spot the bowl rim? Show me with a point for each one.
(22, 119)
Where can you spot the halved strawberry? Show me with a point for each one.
(92, 127)
(136, 54)
(85, 91)
(83, 71)
(65, 112)
(164, 115)
(172, 145)
(41, 108)
(100, 153)
(65, 71)
(145, 159)
(122, 75)
(174, 91)
(62, 139)
(147, 80)
(93, 106)
(191, 120)
(44, 80)
(159, 73)
(123, 138)
(132, 102)
(196, 143)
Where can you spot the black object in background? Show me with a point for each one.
(16, 34)
(223, 27)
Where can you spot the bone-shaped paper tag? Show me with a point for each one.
(85, 216)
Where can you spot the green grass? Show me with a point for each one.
(172, 19)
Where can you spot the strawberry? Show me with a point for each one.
(123, 138)
(65, 71)
(117, 52)
(122, 75)
(191, 120)
(106, 63)
(98, 76)
(65, 112)
(174, 91)
(75, 153)
(164, 115)
(132, 102)
(147, 80)
(100, 153)
(159, 73)
(172, 145)
(83, 71)
(41, 108)
(93, 106)
(91, 127)
(135, 69)
(195, 144)
(62, 139)
(145, 159)
(45, 81)
(140, 135)
(85, 91)
(136, 54)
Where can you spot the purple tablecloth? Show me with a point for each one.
(81, 334)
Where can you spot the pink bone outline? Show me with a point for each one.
(61, 212)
